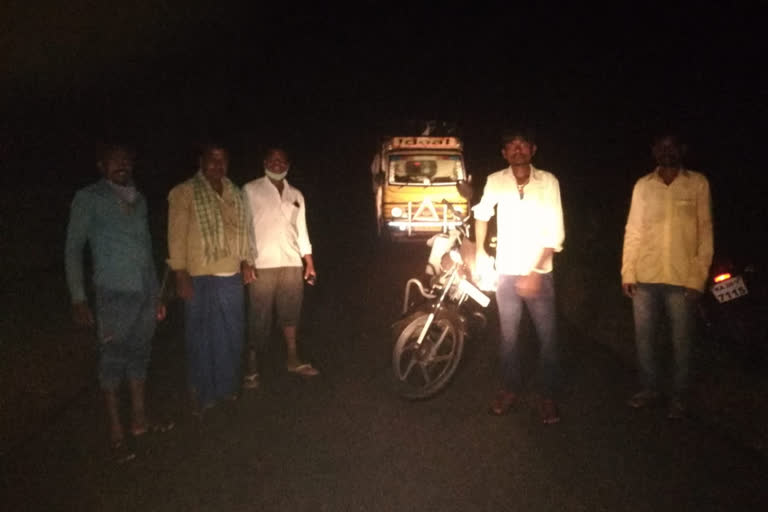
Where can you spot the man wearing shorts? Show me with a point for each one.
(111, 217)
(282, 255)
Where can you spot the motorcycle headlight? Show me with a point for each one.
(397, 212)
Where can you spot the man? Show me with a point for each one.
(282, 255)
(111, 217)
(529, 231)
(208, 251)
(667, 253)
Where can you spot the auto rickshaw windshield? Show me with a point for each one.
(418, 168)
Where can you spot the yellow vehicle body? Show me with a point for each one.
(414, 177)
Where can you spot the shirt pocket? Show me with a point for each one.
(291, 210)
(684, 208)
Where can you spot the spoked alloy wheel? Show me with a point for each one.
(421, 371)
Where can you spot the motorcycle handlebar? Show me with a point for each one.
(456, 212)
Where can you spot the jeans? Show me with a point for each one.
(680, 309)
(541, 308)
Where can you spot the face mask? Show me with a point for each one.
(276, 176)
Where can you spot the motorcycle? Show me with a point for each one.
(429, 339)
(734, 310)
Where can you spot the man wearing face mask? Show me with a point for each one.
(208, 250)
(282, 255)
(110, 216)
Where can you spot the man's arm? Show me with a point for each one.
(705, 249)
(632, 239)
(179, 209)
(77, 236)
(483, 211)
(154, 284)
(252, 251)
(305, 247)
(554, 230)
(481, 232)
(248, 267)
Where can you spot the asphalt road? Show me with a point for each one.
(344, 440)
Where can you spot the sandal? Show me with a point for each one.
(121, 453)
(251, 381)
(198, 412)
(645, 398)
(549, 412)
(503, 402)
(153, 427)
(304, 369)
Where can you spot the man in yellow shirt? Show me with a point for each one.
(208, 250)
(668, 246)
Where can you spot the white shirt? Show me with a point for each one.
(525, 227)
(278, 234)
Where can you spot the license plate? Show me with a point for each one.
(470, 289)
(729, 289)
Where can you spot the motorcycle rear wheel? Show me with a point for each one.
(422, 371)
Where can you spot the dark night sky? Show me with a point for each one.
(595, 82)
(186, 67)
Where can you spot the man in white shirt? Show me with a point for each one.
(529, 231)
(282, 255)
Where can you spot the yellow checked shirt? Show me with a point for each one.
(668, 237)
(185, 240)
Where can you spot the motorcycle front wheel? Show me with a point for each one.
(421, 371)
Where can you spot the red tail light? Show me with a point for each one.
(722, 277)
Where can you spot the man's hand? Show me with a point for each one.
(529, 286)
(249, 272)
(481, 263)
(629, 289)
(184, 287)
(310, 276)
(160, 311)
(81, 314)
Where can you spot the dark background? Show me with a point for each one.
(327, 81)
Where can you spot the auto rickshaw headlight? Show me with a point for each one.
(397, 212)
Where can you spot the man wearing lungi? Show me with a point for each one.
(208, 251)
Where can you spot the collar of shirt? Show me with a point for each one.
(535, 175)
(656, 175)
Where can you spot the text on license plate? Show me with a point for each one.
(730, 289)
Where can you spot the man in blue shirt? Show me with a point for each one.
(111, 217)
